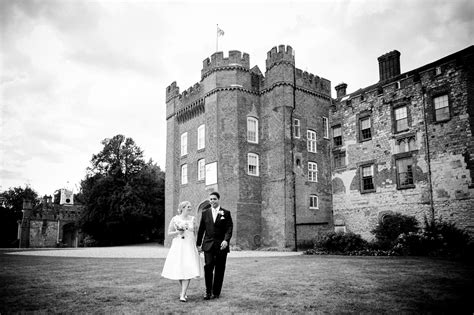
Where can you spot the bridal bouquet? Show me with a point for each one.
(181, 226)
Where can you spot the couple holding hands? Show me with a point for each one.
(213, 237)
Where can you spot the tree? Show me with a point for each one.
(10, 213)
(123, 195)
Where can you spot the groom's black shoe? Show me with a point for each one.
(215, 296)
(207, 296)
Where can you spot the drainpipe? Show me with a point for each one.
(428, 158)
(292, 153)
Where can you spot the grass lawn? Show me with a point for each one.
(324, 284)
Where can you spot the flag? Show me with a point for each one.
(220, 32)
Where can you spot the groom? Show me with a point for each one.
(216, 222)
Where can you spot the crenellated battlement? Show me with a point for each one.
(172, 91)
(191, 91)
(312, 82)
(217, 60)
(283, 53)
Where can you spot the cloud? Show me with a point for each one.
(112, 61)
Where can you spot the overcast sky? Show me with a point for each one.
(76, 72)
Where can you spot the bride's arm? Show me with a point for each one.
(172, 229)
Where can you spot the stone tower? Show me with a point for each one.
(233, 132)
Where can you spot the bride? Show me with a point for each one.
(183, 262)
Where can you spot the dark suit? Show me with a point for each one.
(215, 233)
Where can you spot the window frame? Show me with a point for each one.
(250, 120)
(311, 143)
(361, 118)
(184, 174)
(394, 119)
(334, 138)
(296, 128)
(338, 153)
(201, 169)
(251, 155)
(201, 137)
(312, 172)
(405, 156)
(325, 127)
(184, 144)
(311, 198)
(438, 95)
(361, 174)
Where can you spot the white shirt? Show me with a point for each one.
(214, 213)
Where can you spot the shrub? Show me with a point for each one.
(438, 238)
(339, 242)
(391, 227)
(89, 241)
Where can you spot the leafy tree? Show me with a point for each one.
(10, 213)
(123, 195)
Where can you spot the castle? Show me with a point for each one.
(290, 161)
(49, 224)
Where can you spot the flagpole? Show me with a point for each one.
(217, 38)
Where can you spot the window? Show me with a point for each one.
(296, 128)
(339, 159)
(201, 137)
(313, 202)
(252, 163)
(184, 174)
(401, 118)
(337, 135)
(365, 125)
(252, 129)
(201, 169)
(184, 144)
(405, 173)
(312, 172)
(311, 141)
(367, 175)
(326, 127)
(441, 107)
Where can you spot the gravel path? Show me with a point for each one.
(135, 251)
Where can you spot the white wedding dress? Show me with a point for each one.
(183, 261)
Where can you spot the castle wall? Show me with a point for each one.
(448, 141)
(43, 233)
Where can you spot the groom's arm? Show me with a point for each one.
(229, 228)
(202, 228)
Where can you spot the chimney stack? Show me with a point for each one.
(389, 65)
(341, 89)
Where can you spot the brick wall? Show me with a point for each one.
(448, 142)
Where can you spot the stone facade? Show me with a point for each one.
(405, 129)
(49, 225)
(264, 201)
(390, 152)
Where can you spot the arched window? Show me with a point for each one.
(252, 129)
(201, 142)
(184, 144)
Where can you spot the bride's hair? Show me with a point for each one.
(182, 205)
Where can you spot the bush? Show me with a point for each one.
(89, 241)
(438, 238)
(391, 227)
(339, 242)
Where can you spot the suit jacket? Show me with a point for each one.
(214, 232)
